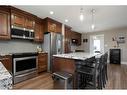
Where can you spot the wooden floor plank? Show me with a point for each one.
(117, 79)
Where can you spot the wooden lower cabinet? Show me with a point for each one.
(7, 62)
(42, 62)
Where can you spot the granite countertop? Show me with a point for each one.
(77, 55)
(5, 78)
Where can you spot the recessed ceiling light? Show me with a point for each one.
(51, 12)
(66, 20)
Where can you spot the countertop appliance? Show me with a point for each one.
(52, 45)
(24, 66)
(74, 41)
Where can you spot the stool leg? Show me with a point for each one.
(66, 84)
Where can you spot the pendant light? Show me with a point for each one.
(81, 15)
(93, 13)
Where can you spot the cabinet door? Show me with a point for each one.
(39, 32)
(29, 23)
(42, 62)
(4, 25)
(59, 28)
(17, 20)
(67, 41)
(51, 27)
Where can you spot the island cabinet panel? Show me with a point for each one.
(4, 25)
(7, 62)
(42, 62)
(39, 34)
(63, 64)
(51, 25)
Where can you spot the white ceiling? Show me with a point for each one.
(106, 17)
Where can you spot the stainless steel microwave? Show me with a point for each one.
(22, 33)
(74, 41)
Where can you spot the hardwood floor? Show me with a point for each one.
(43, 81)
(117, 79)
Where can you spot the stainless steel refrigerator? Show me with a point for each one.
(52, 45)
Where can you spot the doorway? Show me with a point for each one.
(97, 44)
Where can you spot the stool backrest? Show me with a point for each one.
(106, 57)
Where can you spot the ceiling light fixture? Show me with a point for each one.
(81, 15)
(66, 20)
(51, 12)
(93, 13)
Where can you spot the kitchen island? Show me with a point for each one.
(5, 78)
(66, 62)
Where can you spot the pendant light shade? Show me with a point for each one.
(81, 15)
(93, 13)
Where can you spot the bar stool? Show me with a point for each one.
(88, 76)
(67, 77)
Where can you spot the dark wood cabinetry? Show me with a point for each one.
(115, 56)
(7, 62)
(51, 25)
(4, 24)
(22, 19)
(42, 62)
(29, 22)
(67, 39)
(17, 19)
(39, 34)
(76, 36)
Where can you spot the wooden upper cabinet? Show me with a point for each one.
(39, 30)
(67, 39)
(17, 20)
(29, 23)
(51, 25)
(22, 19)
(4, 25)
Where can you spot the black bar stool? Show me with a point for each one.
(89, 76)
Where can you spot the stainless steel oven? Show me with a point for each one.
(24, 66)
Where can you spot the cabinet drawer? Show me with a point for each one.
(42, 63)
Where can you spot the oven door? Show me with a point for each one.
(24, 64)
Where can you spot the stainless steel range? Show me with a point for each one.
(24, 66)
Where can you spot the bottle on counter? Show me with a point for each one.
(39, 49)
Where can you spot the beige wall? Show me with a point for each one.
(108, 43)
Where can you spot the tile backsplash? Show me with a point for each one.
(17, 45)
